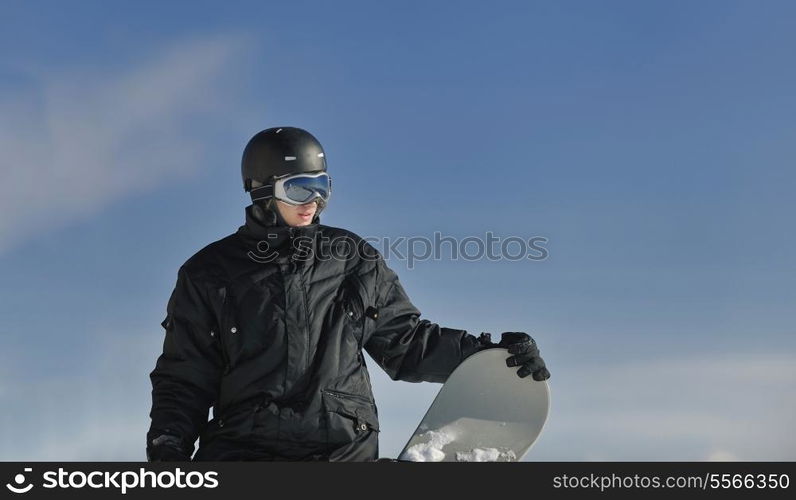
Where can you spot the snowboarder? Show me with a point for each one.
(268, 324)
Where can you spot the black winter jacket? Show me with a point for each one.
(267, 327)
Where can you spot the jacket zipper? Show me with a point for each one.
(294, 266)
(223, 332)
(347, 397)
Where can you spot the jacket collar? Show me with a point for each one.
(276, 236)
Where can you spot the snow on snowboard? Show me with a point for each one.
(483, 413)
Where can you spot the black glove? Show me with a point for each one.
(526, 355)
(167, 448)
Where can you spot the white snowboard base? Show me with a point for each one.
(483, 413)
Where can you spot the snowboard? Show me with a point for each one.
(484, 412)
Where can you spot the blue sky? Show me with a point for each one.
(652, 143)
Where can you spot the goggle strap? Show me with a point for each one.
(262, 192)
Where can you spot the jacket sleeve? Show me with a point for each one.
(409, 348)
(187, 374)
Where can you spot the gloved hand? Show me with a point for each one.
(526, 355)
(166, 448)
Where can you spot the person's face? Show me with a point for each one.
(297, 215)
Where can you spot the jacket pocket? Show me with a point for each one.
(351, 297)
(249, 324)
(359, 309)
(232, 425)
(348, 417)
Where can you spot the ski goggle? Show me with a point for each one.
(296, 189)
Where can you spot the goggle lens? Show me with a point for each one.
(302, 189)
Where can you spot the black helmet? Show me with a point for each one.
(280, 151)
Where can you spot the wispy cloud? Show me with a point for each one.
(98, 413)
(707, 407)
(77, 140)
